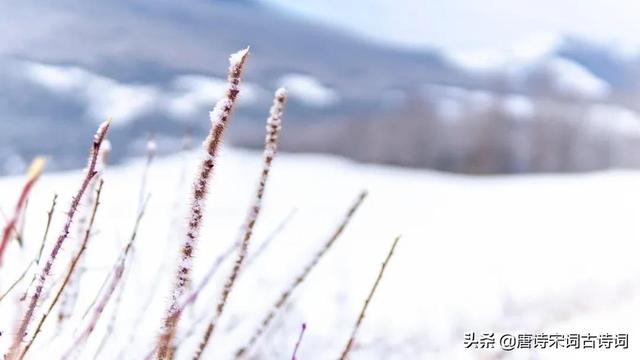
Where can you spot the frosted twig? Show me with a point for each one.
(295, 349)
(151, 152)
(284, 297)
(356, 327)
(116, 276)
(17, 281)
(35, 170)
(46, 271)
(267, 241)
(44, 240)
(213, 270)
(216, 265)
(274, 124)
(72, 267)
(70, 293)
(48, 226)
(151, 294)
(220, 116)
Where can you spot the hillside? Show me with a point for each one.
(515, 254)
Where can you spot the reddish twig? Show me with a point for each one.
(219, 119)
(151, 294)
(116, 276)
(71, 291)
(284, 297)
(274, 124)
(46, 271)
(17, 281)
(216, 265)
(267, 241)
(48, 226)
(356, 327)
(213, 270)
(44, 240)
(72, 267)
(295, 349)
(35, 170)
(151, 152)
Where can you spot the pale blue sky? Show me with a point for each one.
(470, 25)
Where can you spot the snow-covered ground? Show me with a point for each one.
(530, 254)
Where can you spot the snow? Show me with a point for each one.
(451, 102)
(152, 146)
(237, 57)
(308, 90)
(104, 97)
(518, 106)
(194, 92)
(526, 51)
(574, 79)
(616, 118)
(217, 115)
(530, 254)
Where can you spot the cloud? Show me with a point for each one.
(104, 97)
(193, 92)
(308, 90)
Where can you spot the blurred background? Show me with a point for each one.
(487, 87)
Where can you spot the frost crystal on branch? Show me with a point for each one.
(70, 295)
(99, 137)
(219, 119)
(274, 123)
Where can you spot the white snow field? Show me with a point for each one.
(530, 254)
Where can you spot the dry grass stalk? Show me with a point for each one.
(220, 116)
(21, 224)
(274, 124)
(240, 353)
(151, 153)
(36, 261)
(35, 170)
(356, 327)
(267, 241)
(187, 144)
(216, 265)
(17, 281)
(46, 271)
(68, 276)
(115, 276)
(213, 270)
(152, 147)
(47, 227)
(44, 240)
(70, 294)
(295, 349)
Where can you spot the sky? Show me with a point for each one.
(460, 26)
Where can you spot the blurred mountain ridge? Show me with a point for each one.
(159, 66)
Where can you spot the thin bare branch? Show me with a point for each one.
(356, 327)
(274, 124)
(116, 276)
(46, 271)
(219, 119)
(295, 349)
(72, 268)
(284, 297)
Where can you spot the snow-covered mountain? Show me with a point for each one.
(161, 66)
